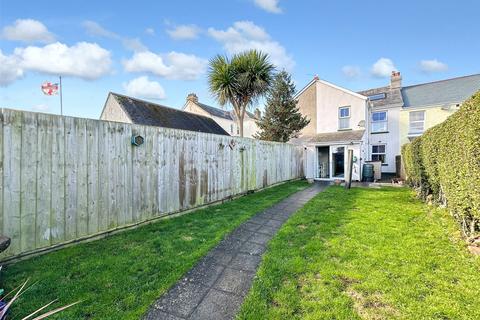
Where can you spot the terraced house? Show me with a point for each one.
(225, 118)
(374, 123)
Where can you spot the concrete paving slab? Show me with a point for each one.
(215, 287)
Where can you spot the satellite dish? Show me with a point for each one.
(361, 123)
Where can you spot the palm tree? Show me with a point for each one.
(240, 81)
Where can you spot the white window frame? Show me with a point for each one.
(416, 131)
(384, 153)
(383, 129)
(340, 118)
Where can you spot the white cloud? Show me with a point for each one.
(150, 31)
(184, 32)
(351, 72)
(41, 108)
(245, 35)
(173, 65)
(383, 68)
(144, 88)
(83, 60)
(10, 69)
(95, 29)
(269, 5)
(134, 44)
(28, 30)
(429, 66)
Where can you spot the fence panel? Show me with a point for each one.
(64, 179)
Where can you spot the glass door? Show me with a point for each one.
(338, 162)
(323, 168)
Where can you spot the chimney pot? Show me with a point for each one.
(192, 97)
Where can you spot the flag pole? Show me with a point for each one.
(61, 98)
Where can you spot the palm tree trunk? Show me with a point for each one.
(240, 123)
(240, 113)
(240, 126)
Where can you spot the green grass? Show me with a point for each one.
(120, 276)
(366, 254)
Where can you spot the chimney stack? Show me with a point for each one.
(192, 97)
(395, 80)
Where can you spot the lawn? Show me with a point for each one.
(120, 276)
(366, 254)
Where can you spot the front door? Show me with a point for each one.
(338, 163)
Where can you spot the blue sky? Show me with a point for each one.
(159, 50)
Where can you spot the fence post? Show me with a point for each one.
(348, 176)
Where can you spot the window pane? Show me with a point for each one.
(417, 115)
(379, 116)
(379, 96)
(416, 126)
(344, 123)
(378, 148)
(378, 157)
(344, 112)
(379, 126)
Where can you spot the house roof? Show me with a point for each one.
(152, 114)
(393, 97)
(442, 92)
(216, 112)
(316, 79)
(331, 137)
(340, 136)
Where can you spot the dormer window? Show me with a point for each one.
(343, 118)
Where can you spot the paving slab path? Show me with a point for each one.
(216, 286)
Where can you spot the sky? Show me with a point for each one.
(159, 50)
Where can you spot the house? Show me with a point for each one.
(383, 126)
(337, 124)
(374, 123)
(428, 104)
(122, 108)
(226, 119)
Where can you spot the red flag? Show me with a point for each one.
(49, 88)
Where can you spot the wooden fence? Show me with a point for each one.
(64, 178)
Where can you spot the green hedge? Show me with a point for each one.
(444, 164)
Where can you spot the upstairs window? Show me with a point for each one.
(344, 118)
(378, 152)
(379, 121)
(416, 122)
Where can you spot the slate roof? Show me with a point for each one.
(442, 92)
(340, 136)
(216, 112)
(331, 137)
(393, 97)
(152, 114)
